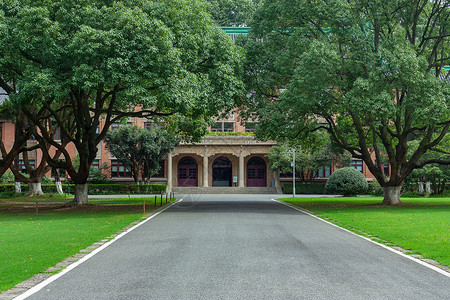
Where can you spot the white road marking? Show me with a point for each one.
(46, 282)
(370, 240)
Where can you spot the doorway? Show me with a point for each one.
(256, 172)
(221, 169)
(187, 172)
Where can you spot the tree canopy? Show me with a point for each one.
(85, 61)
(371, 73)
(140, 150)
(231, 12)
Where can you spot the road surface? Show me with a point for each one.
(244, 247)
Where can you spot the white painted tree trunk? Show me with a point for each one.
(59, 188)
(17, 187)
(392, 195)
(81, 194)
(35, 188)
(428, 188)
(421, 190)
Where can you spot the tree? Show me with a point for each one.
(140, 150)
(35, 174)
(308, 157)
(437, 174)
(107, 60)
(371, 73)
(231, 12)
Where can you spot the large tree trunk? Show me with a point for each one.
(17, 187)
(81, 193)
(59, 188)
(421, 189)
(392, 195)
(35, 188)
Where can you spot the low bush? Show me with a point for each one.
(96, 189)
(375, 188)
(347, 182)
(305, 188)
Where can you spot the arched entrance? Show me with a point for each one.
(221, 169)
(187, 172)
(256, 172)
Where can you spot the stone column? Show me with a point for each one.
(241, 170)
(205, 170)
(169, 173)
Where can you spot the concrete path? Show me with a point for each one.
(244, 247)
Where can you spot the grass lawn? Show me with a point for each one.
(30, 244)
(422, 225)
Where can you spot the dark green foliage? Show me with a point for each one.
(7, 177)
(79, 62)
(231, 12)
(375, 188)
(347, 182)
(370, 73)
(97, 176)
(305, 188)
(97, 189)
(140, 150)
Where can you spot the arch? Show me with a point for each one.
(256, 172)
(221, 169)
(187, 172)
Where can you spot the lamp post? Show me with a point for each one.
(293, 170)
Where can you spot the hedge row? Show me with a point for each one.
(305, 188)
(97, 189)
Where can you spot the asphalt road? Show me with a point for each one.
(244, 247)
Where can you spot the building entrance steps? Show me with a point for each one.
(225, 190)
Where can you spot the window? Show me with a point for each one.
(357, 164)
(250, 127)
(148, 125)
(57, 134)
(151, 125)
(228, 127)
(385, 167)
(217, 127)
(324, 172)
(222, 127)
(95, 164)
(117, 125)
(119, 170)
(22, 168)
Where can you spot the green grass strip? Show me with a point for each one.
(30, 244)
(421, 225)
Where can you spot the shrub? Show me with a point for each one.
(347, 181)
(98, 176)
(46, 180)
(97, 189)
(375, 188)
(7, 177)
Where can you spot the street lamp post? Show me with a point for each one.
(293, 170)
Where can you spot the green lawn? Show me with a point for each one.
(422, 225)
(30, 244)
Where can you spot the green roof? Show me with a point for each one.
(447, 68)
(236, 30)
